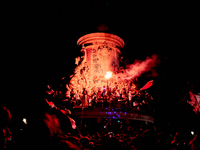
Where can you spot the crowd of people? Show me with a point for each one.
(115, 134)
(52, 126)
(106, 97)
(53, 129)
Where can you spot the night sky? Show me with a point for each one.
(39, 45)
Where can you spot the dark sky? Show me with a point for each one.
(39, 42)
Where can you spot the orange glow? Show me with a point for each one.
(100, 62)
(101, 53)
(108, 75)
(24, 120)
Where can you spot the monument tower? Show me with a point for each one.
(101, 53)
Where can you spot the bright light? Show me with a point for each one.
(108, 75)
(192, 132)
(24, 120)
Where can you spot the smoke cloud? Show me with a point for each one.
(138, 68)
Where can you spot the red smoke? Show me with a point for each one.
(139, 67)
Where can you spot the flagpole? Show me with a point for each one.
(79, 131)
(81, 118)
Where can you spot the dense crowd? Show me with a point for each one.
(53, 129)
(118, 135)
(106, 97)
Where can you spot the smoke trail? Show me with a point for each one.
(138, 68)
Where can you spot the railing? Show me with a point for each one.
(113, 114)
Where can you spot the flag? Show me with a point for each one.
(193, 102)
(73, 122)
(147, 85)
(50, 103)
(197, 97)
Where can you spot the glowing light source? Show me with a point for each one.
(108, 75)
(24, 120)
(192, 132)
